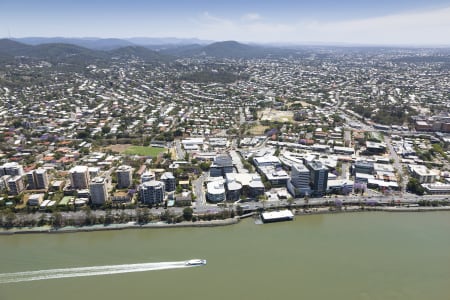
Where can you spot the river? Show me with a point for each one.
(344, 256)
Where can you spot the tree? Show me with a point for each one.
(239, 210)
(188, 213)
(415, 187)
(10, 219)
(277, 151)
(290, 201)
(57, 219)
(263, 199)
(42, 220)
(89, 218)
(179, 189)
(106, 130)
(306, 200)
(205, 165)
(145, 215)
(108, 217)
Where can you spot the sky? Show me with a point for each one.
(373, 22)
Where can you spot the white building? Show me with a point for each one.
(193, 144)
(152, 192)
(11, 168)
(79, 177)
(147, 176)
(41, 179)
(31, 181)
(93, 172)
(256, 187)
(298, 184)
(216, 191)
(98, 191)
(169, 181)
(422, 173)
(124, 176)
(16, 185)
(436, 188)
(266, 160)
(276, 176)
(233, 190)
(35, 199)
(37, 179)
(4, 182)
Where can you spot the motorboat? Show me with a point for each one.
(196, 262)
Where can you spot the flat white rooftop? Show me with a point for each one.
(277, 215)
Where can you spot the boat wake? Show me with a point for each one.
(89, 271)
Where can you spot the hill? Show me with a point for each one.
(55, 53)
(90, 43)
(228, 49)
(141, 53)
(76, 54)
(72, 54)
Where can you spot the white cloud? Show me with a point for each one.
(249, 27)
(251, 17)
(427, 27)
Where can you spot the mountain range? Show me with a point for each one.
(110, 43)
(88, 51)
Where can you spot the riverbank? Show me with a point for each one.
(212, 223)
(130, 225)
(351, 209)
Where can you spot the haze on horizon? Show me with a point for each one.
(383, 22)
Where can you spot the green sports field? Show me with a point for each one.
(144, 151)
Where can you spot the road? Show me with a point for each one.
(179, 150)
(241, 116)
(199, 193)
(353, 199)
(397, 164)
(237, 162)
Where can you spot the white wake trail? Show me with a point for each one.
(89, 271)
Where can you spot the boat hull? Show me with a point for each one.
(196, 262)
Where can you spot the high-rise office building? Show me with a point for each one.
(299, 183)
(222, 165)
(318, 177)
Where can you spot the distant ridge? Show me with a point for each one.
(55, 53)
(140, 52)
(90, 43)
(145, 41)
(229, 49)
(76, 54)
(110, 43)
(73, 54)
